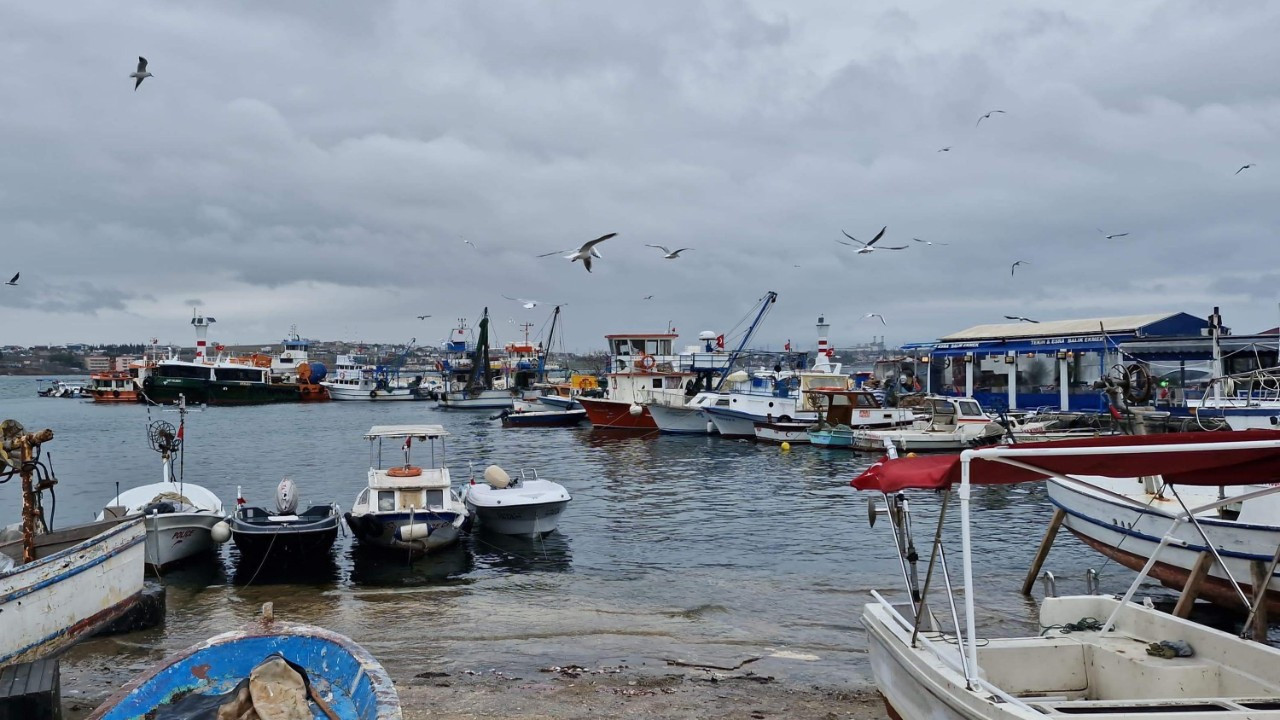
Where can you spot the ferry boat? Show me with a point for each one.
(640, 364)
(251, 380)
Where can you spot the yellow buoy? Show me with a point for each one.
(786, 447)
(911, 454)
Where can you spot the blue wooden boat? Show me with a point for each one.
(345, 675)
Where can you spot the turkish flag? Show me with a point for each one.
(720, 341)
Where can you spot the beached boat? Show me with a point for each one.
(847, 411)
(470, 386)
(59, 586)
(179, 516)
(406, 507)
(1118, 659)
(954, 424)
(284, 535)
(342, 680)
(515, 506)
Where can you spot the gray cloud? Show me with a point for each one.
(294, 164)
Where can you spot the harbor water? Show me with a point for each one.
(696, 549)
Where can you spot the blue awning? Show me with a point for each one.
(1040, 346)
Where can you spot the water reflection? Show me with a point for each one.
(377, 568)
(511, 554)
(319, 570)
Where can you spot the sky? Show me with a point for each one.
(322, 165)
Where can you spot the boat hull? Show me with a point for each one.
(731, 424)
(384, 530)
(558, 402)
(1128, 532)
(522, 520)
(681, 421)
(309, 539)
(353, 683)
(547, 418)
(486, 400)
(115, 396)
(616, 415)
(167, 389)
(49, 604)
(346, 393)
(175, 538)
(832, 437)
(782, 432)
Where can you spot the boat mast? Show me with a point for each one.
(542, 357)
(765, 303)
(1215, 330)
(481, 374)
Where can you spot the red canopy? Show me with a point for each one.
(1224, 465)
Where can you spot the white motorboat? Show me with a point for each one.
(847, 411)
(61, 389)
(355, 378)
(58, 586)
(1120, 659)
(792, 433)
(179, 516)
(515, 506)
(406, 507)
(955, 424)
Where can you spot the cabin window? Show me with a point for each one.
(411, 498)
(386, 500)
(867, 401)
(184, 371)
(657, 383)
(722, 403)
(363, 498)
(621, 347)
(968, 407)
(239, 374)
(435, 499)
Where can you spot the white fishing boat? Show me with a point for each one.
(847, 411)
(179, 516)
(777, 395)
(355, 378)
(58, 586)
(792, 433)
(515, 506)
(407, 507)
(1119, 659)
(470, 386)
(954, 424)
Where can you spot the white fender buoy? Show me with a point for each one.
(636, 410)
(496, 477)
(220, 532)
(416, 531)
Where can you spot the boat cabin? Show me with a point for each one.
(642, 353)
(408, 486)
(950, 412)
(212, 373)
(842, 405)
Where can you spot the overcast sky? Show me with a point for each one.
(290, 164)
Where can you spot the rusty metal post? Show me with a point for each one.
(24, 445)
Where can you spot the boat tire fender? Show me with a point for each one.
(373, 394)
(372, 527)
(785, 419)
(357, 528)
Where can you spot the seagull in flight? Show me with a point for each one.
(473, 245)
(869, 247)
(875, 315)
(528, 304)
(1020, 318)
(1244, 167)
(1113, 236)
(584, 253)
(988, 115)
(141, 74)
(946, 149)
(423, 317)
(1014, 267)
(647, 297)
(13, 280)
(929, 242)
(669, 254)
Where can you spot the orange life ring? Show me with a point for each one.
(646, 362)
(584, 383)
(405, 471)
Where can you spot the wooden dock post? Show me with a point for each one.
(1261, 577)
(1047, 542)
(1191, 589)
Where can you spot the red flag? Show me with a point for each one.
(787, 347)
(720, 341)
(407, 442)
(181, 427)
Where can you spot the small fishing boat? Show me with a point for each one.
(283, 535)
(114, 386)
(955, 424)
(1113, 658)
(61, 389)
(58, 586)
(471, 385)
(846, 411)
(520, 506)
(782, 432)
(521, 417)
(179, 516)
(331, 677)
(406, 507)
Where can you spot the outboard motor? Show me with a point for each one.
(286, 497)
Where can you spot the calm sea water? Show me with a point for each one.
(696, 548)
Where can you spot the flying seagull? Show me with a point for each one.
(1112, 236)
(1019, 317)
(1014, 267)
(423, 317)
(141, 74)
(946, 149)
(13, 280)
(669, 254)
(528, 304)
(875, 315)
(584, 253)
(984, 117)
(869, 247)
(647, 297)
(1244, 167)
(473, 245)
(929, 242)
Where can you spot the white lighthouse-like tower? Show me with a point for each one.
(201, 324)
(825, 353)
